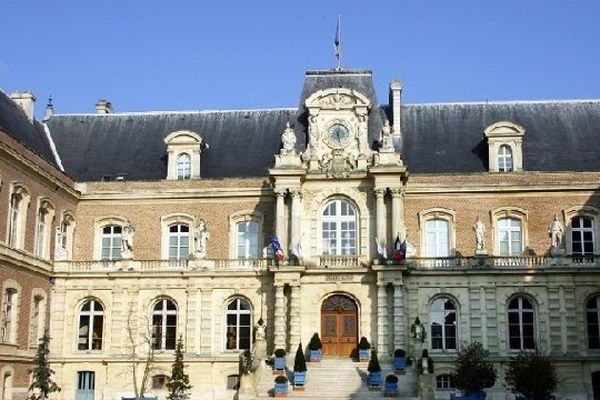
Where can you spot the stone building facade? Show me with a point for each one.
(480, 219)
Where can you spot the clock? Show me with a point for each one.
(338, 135)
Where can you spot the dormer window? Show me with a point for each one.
(505, 141)
(183, 149)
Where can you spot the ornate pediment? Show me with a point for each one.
(337, 99)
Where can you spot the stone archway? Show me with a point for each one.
(339, 326)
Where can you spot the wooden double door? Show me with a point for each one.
(339, 326)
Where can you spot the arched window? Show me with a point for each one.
(44, 222)
(184, 166)
(238, 315)
(510, 237)
(19, 201)
(593, 322)
(521, 324)
(437, 234)
(164, 325)
(582, 235)
(64, 241)
(160, 382)
(247, 239)
(505, 159)
(91, 325)
(9, 315)
(338, 228)
(443, 324)
(111, 242)
(179, 241)
(36, 324)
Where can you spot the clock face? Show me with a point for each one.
(338, 135)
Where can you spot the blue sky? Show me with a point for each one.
(189, 55)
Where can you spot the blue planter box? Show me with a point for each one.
(375, 379)
(279, 363)
(364, 354)
(470, 396)
(315, 355)
(299, 378)
(391, 388)
(399, 363)
(281, 388)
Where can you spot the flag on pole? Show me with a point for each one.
(399, 250)
(381, 248)
(337, 41)
(276, 248)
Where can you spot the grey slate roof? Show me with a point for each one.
(436, 138)
(14, 122)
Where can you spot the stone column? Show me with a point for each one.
(397, 213)
(279, 334)
(399, 320)
(280, 216)
(379, 208)
(382, 320)
(294, 316)
(296, 231)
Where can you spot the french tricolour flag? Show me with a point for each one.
(276, 248)
(399, 249)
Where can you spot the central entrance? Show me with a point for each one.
(339, 326)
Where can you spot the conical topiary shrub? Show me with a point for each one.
(299, 369)
(374, 369)
(314, 348)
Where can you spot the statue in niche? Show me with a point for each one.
(127, 241)
(479, 229)
(361, 135)
(556, 232)
(417, 330)
(60, 252)
(387, 141)
(288, 138)
(201, 237)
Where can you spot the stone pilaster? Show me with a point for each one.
(280, 216)
(279, 332)
(193, 303)
(206, 321)
(380, 210)
(296, 229)
(399, 320)
(295, 314)
(382, 320)
(397, 214)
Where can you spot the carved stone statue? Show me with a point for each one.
(387, 142)
(288, 138)
(261, 330)
(201, 237)
(479, 229)
(127, 242)
(60, 253)
(418, 330)
(556, 232)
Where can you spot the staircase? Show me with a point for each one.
(338, 379)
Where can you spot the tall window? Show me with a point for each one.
(338, 228)
(582, 236)
(184, 166)
(247, 239)
(179, 241)
(443, 324)
(437, 238)
(238, 317)
(9, 315)
(510, 237)
(15, 219)
(86, 384)
(111, 242)
(44, 221)
(164, 325)
(521, 330)
(593, 322)
(35, 324)
(505, 159)
(91, 324)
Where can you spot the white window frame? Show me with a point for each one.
(166, 221)
(184, 166)
(509, 213)
(505, 133)
(245, 217)
(45, 216)
(93, 312)
(337, 220)
(114, 242)
(37, 323)
(161, 310)
(238, 326)
(582, 211)
(444, 214)
(520, 311)
(99, 225)
(17, 215)
(180, 236)
(66, 230)
(180, 142)
(10, 299)
(505, 158)
(440, 315)
(444, 382)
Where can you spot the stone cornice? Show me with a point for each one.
(24, 260)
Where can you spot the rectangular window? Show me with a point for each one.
(247, 239)
(9, 298)
(437, 238)
(510, 241)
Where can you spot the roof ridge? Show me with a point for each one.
(136, 113)
(550, 101)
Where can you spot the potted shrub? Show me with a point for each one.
(473, 372)
(314, 348)
(281, 386)
(299, 369)
(279, 362)
(399, 361)
(531, 376)
(391, 386)
(364, 349)
(425, 363)
(374, 379)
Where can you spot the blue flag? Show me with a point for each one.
(274, 243)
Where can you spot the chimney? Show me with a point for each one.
(49, 109)
(25, 100)
(395, 97)
(103, 107)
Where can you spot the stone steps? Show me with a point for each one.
(337, 379)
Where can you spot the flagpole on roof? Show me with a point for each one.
(337, 43)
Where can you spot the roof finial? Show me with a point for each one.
(49, 109)
(337, 44)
